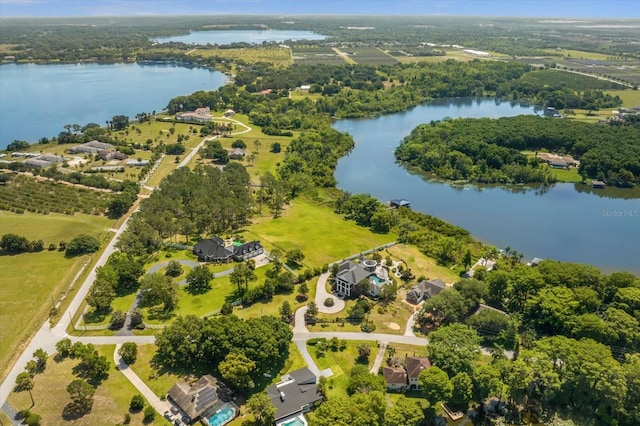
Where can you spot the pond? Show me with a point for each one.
(241, 36)
(568, 222)
(38, 100)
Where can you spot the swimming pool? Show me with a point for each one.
(222, 416)
(297, 421)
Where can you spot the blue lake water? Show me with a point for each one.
(38, 100)
(560, 223)
(241, 36)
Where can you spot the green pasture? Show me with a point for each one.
(30, 281)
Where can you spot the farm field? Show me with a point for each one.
(316, 55)
(278, 56)
(26, 293)
(570, 80)
(369, 56)
(26, 194)
(110, 402)
(304, 223)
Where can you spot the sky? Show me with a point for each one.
(510, 8)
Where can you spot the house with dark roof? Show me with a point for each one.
(194, 400)
(424, 290)
(351, 273)
(216, 250)
(405, 377)
(295, 394)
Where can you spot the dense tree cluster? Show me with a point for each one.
(203, 201)
(191, 342)
(488, 150)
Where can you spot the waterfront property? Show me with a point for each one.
(92, 147)
(406, 377)
(350, 274)
(399, 203)
(200, 115)
(218, 250)
(294, 395)
(424, 290)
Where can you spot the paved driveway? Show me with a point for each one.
(322, 294)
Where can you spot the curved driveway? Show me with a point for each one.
(322, 294)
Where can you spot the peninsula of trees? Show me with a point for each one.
(490, 150)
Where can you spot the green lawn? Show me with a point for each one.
(420, 264)
(322, 235)
(341, 363)
(27, 291)
(110, 402)
(571, 175)
(630, 98)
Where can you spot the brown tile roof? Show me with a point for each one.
(394, 376)
(415, 364)
(194, 400)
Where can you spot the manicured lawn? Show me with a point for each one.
(579, 54)
(27, 291)
(110, 402)
(386, 318)
(322, 235)
(341, 363)
(158, 381)
(403, 349)
(570, 175)
(421, 264)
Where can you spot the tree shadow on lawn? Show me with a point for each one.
(157, 313)
(75, 410)
(93, 316)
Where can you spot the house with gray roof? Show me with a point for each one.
(217, 250)
(195, 400)
(351, 273)
(295, 394)
(424, 290)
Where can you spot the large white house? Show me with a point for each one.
(351, 273)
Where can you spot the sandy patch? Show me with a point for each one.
(392, 325)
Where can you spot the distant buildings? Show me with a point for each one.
(43, 160)
(92, 148)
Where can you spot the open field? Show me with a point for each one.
(317, 55)
(630, 98)
(26, 293)
(275, 55)
(578, 54)
(110, 403)
(304, 223)
(420, 264)
(341, 363)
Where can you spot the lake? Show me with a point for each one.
(559, 223)
(38, 100)
(241, 36)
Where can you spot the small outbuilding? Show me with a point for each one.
(399, 203)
